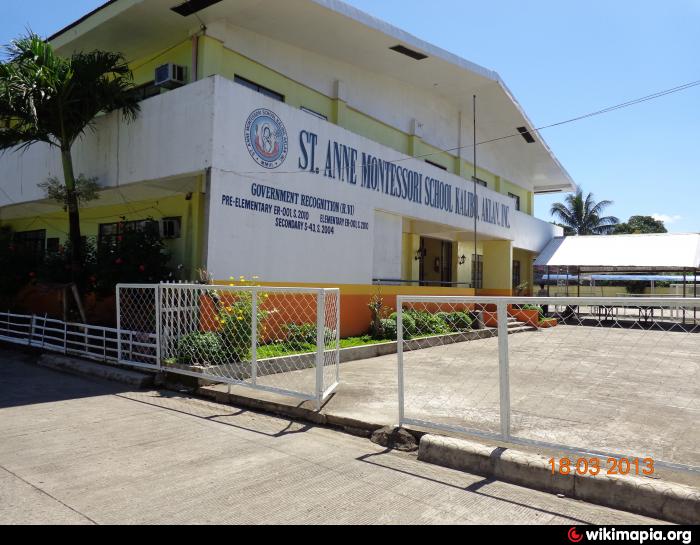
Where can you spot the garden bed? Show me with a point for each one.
(354, 351)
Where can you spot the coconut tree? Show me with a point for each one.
(46, 98)
(584, 216)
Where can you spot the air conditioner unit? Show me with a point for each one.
(170, 76)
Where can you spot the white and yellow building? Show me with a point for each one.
(302, 142)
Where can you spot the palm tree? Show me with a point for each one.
(52, 99)
(581, 216)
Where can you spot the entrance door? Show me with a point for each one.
(436, 265)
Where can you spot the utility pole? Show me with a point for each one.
(475, 266)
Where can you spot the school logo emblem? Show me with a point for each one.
(266, 138)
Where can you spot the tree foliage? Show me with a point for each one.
(640, 225)
(581, 215)
(46, 98)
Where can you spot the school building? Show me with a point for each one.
(302, 142)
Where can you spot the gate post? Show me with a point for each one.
(157, 292)
(254, 338)
(119, 324)
(399, 338)
(503, 366)
(320, 344)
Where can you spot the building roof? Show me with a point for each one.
(137, 28)
(614, 253)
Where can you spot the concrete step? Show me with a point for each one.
(515, 323)
(522, 329)
(75, 366)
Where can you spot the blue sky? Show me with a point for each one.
(560, 59)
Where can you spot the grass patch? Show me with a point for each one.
(280, 350)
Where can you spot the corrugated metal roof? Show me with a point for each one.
(662, 252)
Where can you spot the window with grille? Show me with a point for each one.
(111, 234)
(516, 198)
(31, 242)
(516, 274)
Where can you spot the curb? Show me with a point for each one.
(349, 425)
(668, 501)
(74, 366)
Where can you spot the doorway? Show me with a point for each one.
(436, 265)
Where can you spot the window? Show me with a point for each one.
(313, 113)
(53, 245)
(258, 88)
(436, 165)
(170, 228)
(31, 242)
(110, 234)
(480, 182)
(478, 272)
(516, 198)
(516, 274)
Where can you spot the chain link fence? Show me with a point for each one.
(137, 312)
(283, 340)
(615, 376)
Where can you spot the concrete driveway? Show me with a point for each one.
(78, 451)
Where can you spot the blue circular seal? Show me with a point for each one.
(266, 138)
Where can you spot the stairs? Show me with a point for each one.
(514, 326)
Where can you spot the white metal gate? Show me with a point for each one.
(283, 340)
(600, 376)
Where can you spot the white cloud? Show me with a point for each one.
(666, 219)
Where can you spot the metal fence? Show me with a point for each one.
(88, 341)
(615, 376)
(283, 340)
(137, 325)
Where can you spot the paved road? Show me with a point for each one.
(78, 451)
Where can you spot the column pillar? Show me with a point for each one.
(498, 266)
(415, 138)
(340, 103)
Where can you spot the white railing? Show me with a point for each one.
(88, 341)
(599, 376)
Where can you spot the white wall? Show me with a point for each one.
(388, 244)
(249, 242)
(386, 99)
(171, 137)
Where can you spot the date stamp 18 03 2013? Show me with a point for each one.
(608, 466)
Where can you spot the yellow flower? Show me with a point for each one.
(240, 319)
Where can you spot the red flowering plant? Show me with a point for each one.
(56, 266)
(136, 255)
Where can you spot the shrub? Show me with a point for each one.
(57, 269)
(456, 321)
(427, 323)
(236, 321)
(200, 349)
(300, 335)
(539, 309)
(409, 325)
(390, 329)
(136, 256)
